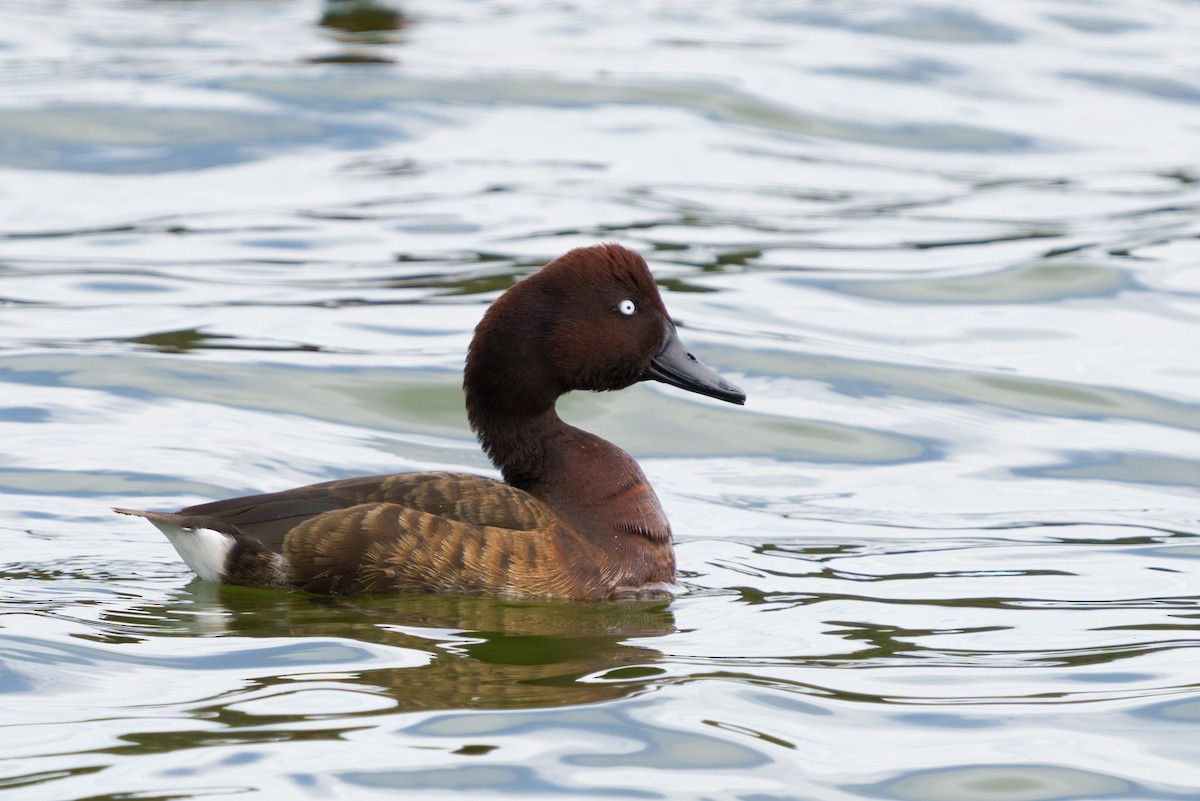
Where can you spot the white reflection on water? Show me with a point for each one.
(950, 252)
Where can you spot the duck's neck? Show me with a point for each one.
(520, 445)
(591, 483)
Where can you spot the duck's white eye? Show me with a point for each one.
(627, 307)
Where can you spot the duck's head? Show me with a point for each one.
(591, 319)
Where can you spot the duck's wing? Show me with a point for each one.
(430, 532)
(456, 497)
(391, 547)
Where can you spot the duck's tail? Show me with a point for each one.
(217, 552)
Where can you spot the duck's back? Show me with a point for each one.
(460, 497)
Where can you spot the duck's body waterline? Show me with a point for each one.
(574, 518)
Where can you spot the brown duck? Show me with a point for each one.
(574, 518)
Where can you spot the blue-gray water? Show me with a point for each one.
(947, 552)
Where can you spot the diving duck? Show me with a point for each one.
(574, 517)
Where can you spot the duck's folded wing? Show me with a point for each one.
(391, 547)
(455, 497)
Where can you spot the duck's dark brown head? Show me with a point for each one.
(591, 319)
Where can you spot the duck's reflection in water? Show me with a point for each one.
(483, 653)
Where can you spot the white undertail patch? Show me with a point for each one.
(204, 550)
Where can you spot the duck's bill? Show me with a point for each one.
(675, 366)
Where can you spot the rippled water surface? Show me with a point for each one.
(947, 552)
